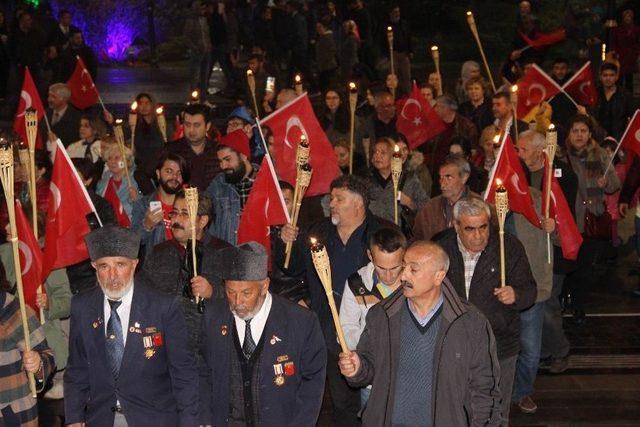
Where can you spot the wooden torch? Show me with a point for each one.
(502, 208)
(392, 67)
(6, 176)
(514, 108)
(551, 147)
(31, 124)
(133, 122)
(195, 96)
(162, 122)
(191, 197)
(474, 30)
(353, 101)
(251, 82)
(321, 262)
(396, 171)
(435, 54)
(297, 84)
(303, 178)
(119, 136)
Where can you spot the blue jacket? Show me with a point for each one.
(123, 191)
(157, 390)
(148, 239)
(292, 334)
(226, 206)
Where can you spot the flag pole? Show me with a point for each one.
(6, 176)
(613, 156)
(474, 29)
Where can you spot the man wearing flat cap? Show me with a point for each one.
(129, 358)
(266, 356)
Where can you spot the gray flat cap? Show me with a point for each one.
(112, 240)
(245, 262)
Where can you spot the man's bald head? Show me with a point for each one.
(432, 253)
(425, 267)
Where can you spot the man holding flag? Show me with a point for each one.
(63, 118)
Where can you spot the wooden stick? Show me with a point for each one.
(474, 29)
(391, 64)
(298, 84)
(6, 176)
(353, 100)
(251, 81)
(396, 171)
(552, 145)
(162, 122)
(133, 118)
(303, 179)
(514, 108)
(31, 124)
(323, 268)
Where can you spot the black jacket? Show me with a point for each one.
(68, 127)
(504, 319)
(614, 114)
(465, 390)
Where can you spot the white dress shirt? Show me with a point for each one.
(258, 321)
(124, 310)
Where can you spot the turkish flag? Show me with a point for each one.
(84, 93)
(542, 40)
(631, 138)
(508, 171)
(29, 99)
(69, 204)
(533, 88)
(582, 86)
(30, 258)
(264, 207)
(111, 195)
(417, 120)
(288, 124)
(570, 237)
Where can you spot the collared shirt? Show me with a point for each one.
(244, 187)
(124, 310)
(258, 321)
(345, 258)
(57, 115)
(423, 320)
(470, 260)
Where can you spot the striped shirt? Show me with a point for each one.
(14, 386)
(244, 187)
(470, 260)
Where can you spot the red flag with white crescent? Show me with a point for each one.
(533, 88)
(29, 99)
(265, 207)
(567, 229)
(84, 93)
(30, 258)
(287, 124)
(417, 120)
(508, 172)
(111, 195)
(582, 86)
(631, 138)
(69, 205)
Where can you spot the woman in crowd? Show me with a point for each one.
(478, 107)
(119, 190)
(334, 117)
(89, 146)
(470, 70)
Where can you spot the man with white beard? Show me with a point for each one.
(129, 359)
(265, 355)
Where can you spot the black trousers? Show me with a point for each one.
(345, 399)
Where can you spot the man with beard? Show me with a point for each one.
(230, 190)
(437, 348)
(345, 235)
(265, 356)
(150, 214)
(129, 360)
(198, 150)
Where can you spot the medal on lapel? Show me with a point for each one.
(289, 369)
(279, 379)
(149, 350)
(223, 330)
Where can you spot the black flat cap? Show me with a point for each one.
(112, 240)
(245, 262)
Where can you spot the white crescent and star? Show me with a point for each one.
(515, 180)
(637, 135)
(541, 88)
(416, 121)
(27, 102)
(57, 197)
(294, 121)
(28, 256)
(266, 213)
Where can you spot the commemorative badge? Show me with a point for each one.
(224, 330)
(279, 374)
(289, 369)
(274, 340)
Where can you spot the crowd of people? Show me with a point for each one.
(248, 338)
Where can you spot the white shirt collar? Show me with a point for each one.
(258, 321)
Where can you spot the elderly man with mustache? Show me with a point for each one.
(129, 361)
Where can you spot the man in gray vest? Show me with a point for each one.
(444, 356)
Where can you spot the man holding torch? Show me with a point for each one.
(475, 273)
(421, 325)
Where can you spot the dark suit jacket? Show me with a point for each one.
(156, 390)
(67, 128)
(504, 319)
(299, 339)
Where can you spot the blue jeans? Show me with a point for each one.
(529, 357)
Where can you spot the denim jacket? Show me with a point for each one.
(148, 239)
(226, 207)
